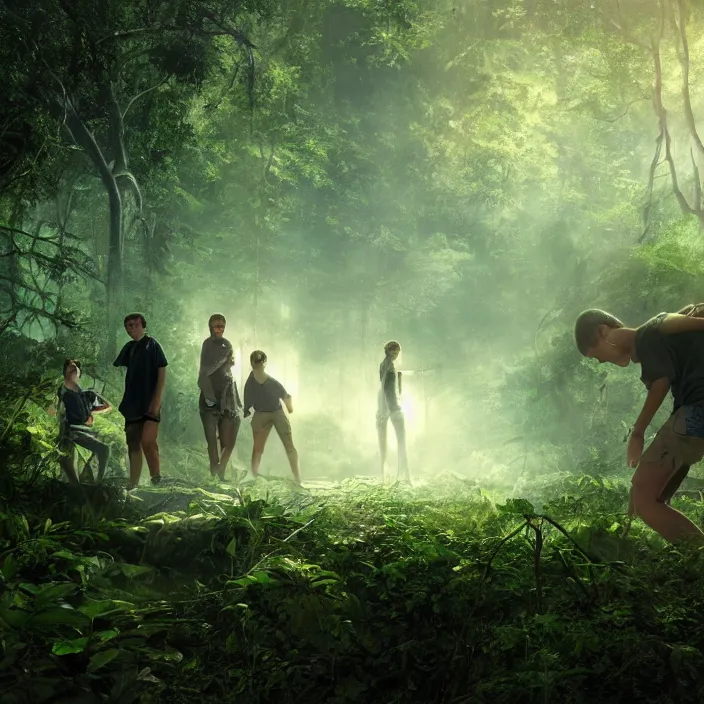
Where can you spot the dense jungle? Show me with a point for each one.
(461, 176)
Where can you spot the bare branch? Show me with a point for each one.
(662, 119)
(624, 112)
(683, 55)
(144, 92)
(697, 184)
(132, 181)
(141, 31)
(651, 180)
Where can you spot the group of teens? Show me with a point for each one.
(221, 410)
(669, 349)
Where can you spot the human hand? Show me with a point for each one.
(90, 421)
(635, 449)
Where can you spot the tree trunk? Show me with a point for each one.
(114, 287)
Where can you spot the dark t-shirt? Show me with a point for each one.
(78, 404)
(143, 359)
(265, 398)
(679, 357)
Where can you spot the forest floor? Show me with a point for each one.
(342, 593)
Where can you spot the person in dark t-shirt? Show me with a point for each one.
(670, 351)
(389, 408)
(265, 395)
(219, 403)
(145, 380)
(76, 421)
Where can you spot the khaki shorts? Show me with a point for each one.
(262, 420)
(671, 453)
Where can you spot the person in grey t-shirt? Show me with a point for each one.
(265, 395)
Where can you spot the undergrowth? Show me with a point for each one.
(353, 594)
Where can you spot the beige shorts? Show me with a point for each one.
(264, 421)
(671, 453)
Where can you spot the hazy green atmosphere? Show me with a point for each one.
(464, 177)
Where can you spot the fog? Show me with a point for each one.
(467, 196)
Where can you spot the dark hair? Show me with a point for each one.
(135, 316)
(587, 326)
(257, 357)
(391, 346)
(214, 317)
(71, 362)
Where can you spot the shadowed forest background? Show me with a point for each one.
(465, 177)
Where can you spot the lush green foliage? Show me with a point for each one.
(465, 176)
(345, 595)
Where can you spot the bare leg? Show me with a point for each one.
(260, 438)
(66, 461)
(229, 427)
(150, 447)
(645, 503)
(210, 428)
(135, 467)
(291, 453)
(399, 423)
(100, 449)
(381, 424)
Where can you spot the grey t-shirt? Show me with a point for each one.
(679, 357)
(265, 398)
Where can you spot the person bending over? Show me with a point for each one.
(264, 394)
(145, 380)
(76, 421)
(670, 351)
(219, 403)
(389, 407)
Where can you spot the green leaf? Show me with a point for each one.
(101, 659)
(9, 569)
(49, 593)
(231, 548)
(322, 582)
(105, 636)
(14, 618)
(67, 647)
(59, 616)
(94, 609)
(517, 506)
(134, 570)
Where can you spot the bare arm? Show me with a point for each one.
(676, 323)
(159, 393)
(656, 395)
(288, 402)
